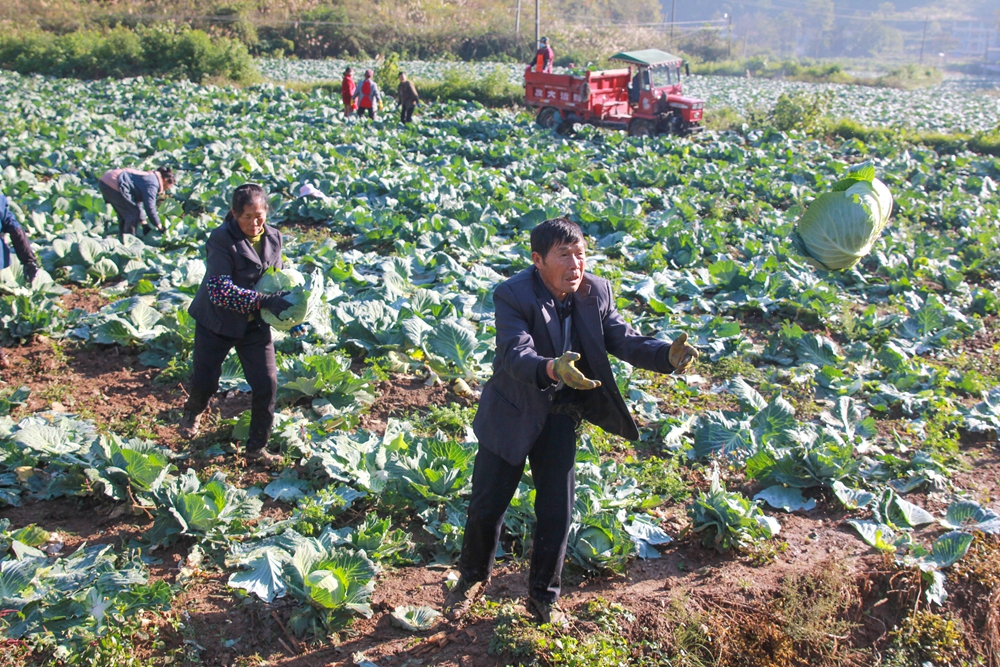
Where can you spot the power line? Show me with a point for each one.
(896, 17)
(574, 21)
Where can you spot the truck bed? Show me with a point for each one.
(608, 93)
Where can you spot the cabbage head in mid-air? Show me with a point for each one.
(304, 295)
(840, 227)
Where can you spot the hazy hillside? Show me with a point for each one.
(693, 10)
(834, 28)
(583, 29)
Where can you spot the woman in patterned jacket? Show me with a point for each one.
(227, 312)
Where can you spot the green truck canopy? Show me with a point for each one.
(648, 57)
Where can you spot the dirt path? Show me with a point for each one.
(213, 625)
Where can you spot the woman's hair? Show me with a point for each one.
(167, 174)
(246, 194)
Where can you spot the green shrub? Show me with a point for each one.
(492, 90)
(387, 74)
(159, 50)
(798, 111)
(926, 636)
(987, 143)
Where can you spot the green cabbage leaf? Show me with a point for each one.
(840, 227)
(304, 295)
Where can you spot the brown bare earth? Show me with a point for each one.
(89, 299)
(401, 396)
(106, 384)
(730, 595)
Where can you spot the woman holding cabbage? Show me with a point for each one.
(227, 311)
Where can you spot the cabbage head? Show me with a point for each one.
(840, 227)
(304, 296)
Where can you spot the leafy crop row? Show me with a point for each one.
(419, 226)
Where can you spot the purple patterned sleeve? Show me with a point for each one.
(224, 294)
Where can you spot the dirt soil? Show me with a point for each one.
(400, 396)
(212, 624)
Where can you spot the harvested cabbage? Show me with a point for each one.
(304, 295)
(840, 227)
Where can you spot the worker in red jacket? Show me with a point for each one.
(544, 56)
(347, 90)
(368, 95)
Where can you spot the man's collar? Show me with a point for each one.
(543, 292)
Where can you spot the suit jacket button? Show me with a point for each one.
(551, 397)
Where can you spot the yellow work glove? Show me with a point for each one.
(565, 369)
(681, 354)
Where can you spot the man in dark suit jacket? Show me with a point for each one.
(548, 318)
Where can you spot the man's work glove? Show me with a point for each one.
(681, 354)
(565, 369)
(276, 303)
(30, 271)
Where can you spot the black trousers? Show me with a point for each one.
(256, 353)
(129, 215)
(369, 111)
(406, 113)
(494, 482)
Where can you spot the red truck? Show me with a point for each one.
(644, 99)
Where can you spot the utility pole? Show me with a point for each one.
(517, 20)
(673, 6)
(923, 38)
(729, 38)
(538, 24)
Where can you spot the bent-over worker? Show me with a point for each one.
(133, 194)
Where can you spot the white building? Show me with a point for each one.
(993, 61)
(971, 39)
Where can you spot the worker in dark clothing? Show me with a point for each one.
(227, 309)
(549, 318)
(10, 227)
(408, 98)
(347, 90)
(639, 83)
(544, 56)
(133, 195)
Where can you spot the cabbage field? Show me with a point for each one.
(819, 488)
(959, 104)
(332, 69)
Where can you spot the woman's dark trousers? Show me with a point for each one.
(256, 353)
(494, 482)
(128, 213)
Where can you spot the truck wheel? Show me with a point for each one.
(640, 127)
(548, 118)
